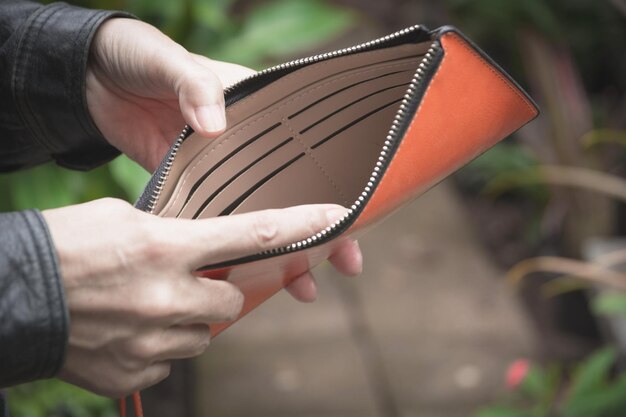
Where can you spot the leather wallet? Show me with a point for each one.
(368, 127)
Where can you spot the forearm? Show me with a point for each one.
(43, 111)
(34, 325)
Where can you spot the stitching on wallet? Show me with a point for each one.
(308, 151)
(253, 122)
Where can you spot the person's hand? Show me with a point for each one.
(142, 88)
(133, 299)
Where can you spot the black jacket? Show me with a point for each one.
(43, 117)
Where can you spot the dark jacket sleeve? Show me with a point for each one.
(34, 320)
(43, 116)
(43, 107)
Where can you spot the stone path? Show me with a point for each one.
(427, 330)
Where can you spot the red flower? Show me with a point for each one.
(516, 373)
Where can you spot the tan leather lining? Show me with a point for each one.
(312, 136)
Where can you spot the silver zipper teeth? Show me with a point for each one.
(298, 62)
(383, 158)
(166, 171)
(326, 55)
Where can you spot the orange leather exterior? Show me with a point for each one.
(467, 108)
(260, 280)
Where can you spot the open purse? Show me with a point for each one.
(368, 127)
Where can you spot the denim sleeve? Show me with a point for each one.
(43, 107)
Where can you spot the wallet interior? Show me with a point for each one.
(312, 136)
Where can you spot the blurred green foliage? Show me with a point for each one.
(589, 391)
(570, 56)
(53, 398)
(259, 36)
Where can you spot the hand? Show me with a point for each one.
(134, 302)
(142, 88)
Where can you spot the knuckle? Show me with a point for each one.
(233, 302)
(161, 302)
(264, 230)
(151, 244)
(152, 252)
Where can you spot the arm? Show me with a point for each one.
(43, 111)
(43, 116)
(34, 324)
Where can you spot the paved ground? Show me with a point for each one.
(427, 330)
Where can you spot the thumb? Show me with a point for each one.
(201, 98)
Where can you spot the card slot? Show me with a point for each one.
(302, 79)
(176, 206)
(241, 172)
(360, 142)
(243, 182)
(204, 176)
(349, 125)
(335, 92)
(215, 151)
(268, 105)
(298, 183)
(285, 188)
(249, 194)
(329, 115)
(228, 210)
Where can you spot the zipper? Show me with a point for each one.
(165, 171)
(156, 193)
(392, 139)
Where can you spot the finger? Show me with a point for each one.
(348, 259)
(227, 72)
(201, 97)
(200, 94)
(183, 341)
(211, 301)
(303, 288)
(153, 374)
(210, 241)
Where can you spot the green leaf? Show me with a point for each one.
(610, 304)
(609, 401)
(281, 28)
(129, 175)
(592, 374)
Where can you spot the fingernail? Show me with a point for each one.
(211, 118)
(335, 214)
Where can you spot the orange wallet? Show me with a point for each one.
(369, 127)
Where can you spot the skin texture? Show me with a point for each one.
(133, 299)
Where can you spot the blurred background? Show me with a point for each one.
(499, 293)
